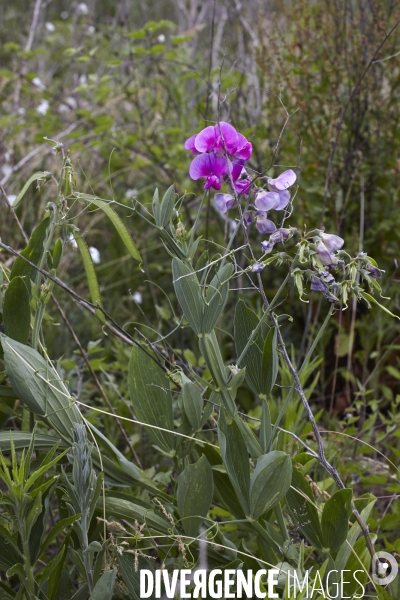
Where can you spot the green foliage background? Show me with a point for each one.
(122, 85)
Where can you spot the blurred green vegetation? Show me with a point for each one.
(123, 84)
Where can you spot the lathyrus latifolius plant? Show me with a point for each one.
(235, 499)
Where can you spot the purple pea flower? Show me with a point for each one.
(332, 242)
(280, 186)
(257, 267)
(267, 246)
(263, 224)
(284, 181)
(210, 167)
(266, 200)
(280, 235)
(189, 144)
(240, 178)
(248, 218)
(224, 202)
(317, 285)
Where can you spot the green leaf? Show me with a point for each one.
(166, 207)
(245, 323)
(151, 397)
(235, 458)
(192, 403)
(16, 311)
(156, 206)
(103, 589)
(216, 297)
(90, 273)
(55, 575)
(355, 563)
(335, 520)
(300, 502)
(39, 176)
(130, 567)
(32, 252)
(368, 298)
(22, 440)
(38, 384)
(270, 482)
(132, 510)
(194, 495)
(119, 226)
(187, 291)
(57, 529)
(270, 363)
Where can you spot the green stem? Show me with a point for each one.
(197, 217)
(261, 321)
(29, 579)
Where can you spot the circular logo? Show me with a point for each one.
(384, 568)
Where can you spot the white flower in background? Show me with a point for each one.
(21, 110)
(90, 30)
(7, 156)
(64, 109)
(137, 297)
(83, 8)
(11, 198)
(50, 27)
(64, 15)
(72, 240)
(161, 38)
(38, 83)
(43, 107)
(131, 193)
(71, 102)
(95, 254)
(6, 170)
(82, 79)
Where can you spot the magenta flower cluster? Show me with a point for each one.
(220, 151)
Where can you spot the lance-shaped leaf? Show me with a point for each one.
(300, 500)
(130, 567)
(187, 291)
(245, 323)
(38, 176)
(103, 589)
(192, 403)
(270, 482)
(194, 495)
(235, 458)
(37, 383)
(166, 207)
(119, 226)
(33, 252)
(16, 310)
(270, 362)
(151, 397)
(216, 297)
(90, 273)
(335, 520)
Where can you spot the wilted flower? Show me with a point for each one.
(267, 246)
(224, 202)
(317, 285)
(257, 267)
(280, 235)
(326, 257)
(210, 167)
(374, 272)
(327, 277)
(263, 224)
